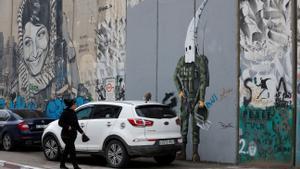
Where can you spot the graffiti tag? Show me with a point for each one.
(211, 101)
(225, 126)
(225, 93)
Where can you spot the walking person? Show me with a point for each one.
(69, 123)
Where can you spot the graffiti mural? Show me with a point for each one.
(47, 67)
(110, 59)
(265, 81)
(48, 63)
(191, 79)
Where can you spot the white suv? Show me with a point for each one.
(120, 131)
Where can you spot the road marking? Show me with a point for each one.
(12, 165)
(2, 163)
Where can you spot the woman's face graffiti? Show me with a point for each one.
(35, 44)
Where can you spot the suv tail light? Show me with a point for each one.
(140, 122)
(23, 126)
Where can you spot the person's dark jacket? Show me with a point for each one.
(69, 118)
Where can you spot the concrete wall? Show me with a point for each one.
(141, 50)
(266, 102)
(156, 34)
(85, 47)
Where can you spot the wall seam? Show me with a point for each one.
(11, 17)
(238, 83)
(294, 75)
(73, 19)
(126, 39)
(157, 46)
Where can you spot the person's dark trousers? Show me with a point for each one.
(69, 149)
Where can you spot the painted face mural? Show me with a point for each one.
(35, 46)
(44, 66)
(37, 35)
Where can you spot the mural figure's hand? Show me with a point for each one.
(201, 103)
(181, 94)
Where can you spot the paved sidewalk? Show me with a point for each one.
(182, 164)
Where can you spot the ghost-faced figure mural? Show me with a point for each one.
(191, 79)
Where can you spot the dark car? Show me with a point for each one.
(21, 127)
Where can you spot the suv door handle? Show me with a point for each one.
(108, 124)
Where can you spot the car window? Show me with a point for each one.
(4, 116)
(106, 111)
(155, 111)
(28, 114)
(84, 113)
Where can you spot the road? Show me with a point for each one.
(34, 157)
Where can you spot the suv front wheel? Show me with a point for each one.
(51, 148)
(116, 154)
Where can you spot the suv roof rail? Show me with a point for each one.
(125, 102)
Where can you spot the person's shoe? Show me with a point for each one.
(196, 157)
(63, 167)
(181, 156)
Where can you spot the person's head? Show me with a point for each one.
(147, 97)
(35, 26)
(70, 104)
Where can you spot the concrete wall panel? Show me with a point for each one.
(266, 103)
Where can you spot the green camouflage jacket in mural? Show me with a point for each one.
(192, 78)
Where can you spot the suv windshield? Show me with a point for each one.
(155, 111)
(28, 114)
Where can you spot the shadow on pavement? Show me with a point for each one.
(25, 149)
(133, 163)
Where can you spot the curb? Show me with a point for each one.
(11, 165)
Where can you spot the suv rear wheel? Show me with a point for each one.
(116, 154)
(51, 148)
(166, 159)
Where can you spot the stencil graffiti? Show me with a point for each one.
(263, 86)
